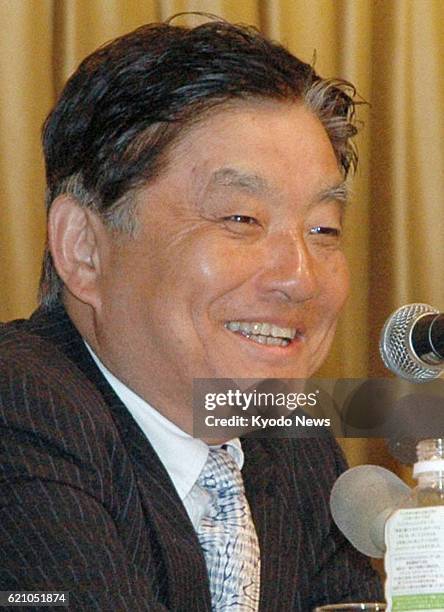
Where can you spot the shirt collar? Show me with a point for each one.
(182, 455)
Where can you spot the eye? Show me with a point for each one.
(321, 230)
(242, 219)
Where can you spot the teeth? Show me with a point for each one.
(271, 333)
(275, 341)
(265, 329)
(246, 328)
(269, 340)
(281, 332)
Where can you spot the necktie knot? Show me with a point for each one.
(221, 475)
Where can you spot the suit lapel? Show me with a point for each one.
(187, 587)
(177, 554)
(279, 532)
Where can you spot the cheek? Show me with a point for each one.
(207, 264)
(213, 268)
(336, 284)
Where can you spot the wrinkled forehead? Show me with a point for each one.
(270, 150)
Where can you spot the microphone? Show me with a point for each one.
(362, 500)
(412, 343)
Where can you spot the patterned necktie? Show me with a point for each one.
(228, 537)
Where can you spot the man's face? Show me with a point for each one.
(237, 270)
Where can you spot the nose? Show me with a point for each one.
(290, 272)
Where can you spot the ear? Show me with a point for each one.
(77, 240)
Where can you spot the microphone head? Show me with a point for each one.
(361, 501)
(396, 344)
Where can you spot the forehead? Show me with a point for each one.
(264, 148)
(254, 144)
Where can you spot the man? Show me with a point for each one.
(195, 202)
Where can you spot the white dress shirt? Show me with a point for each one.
(182, 455)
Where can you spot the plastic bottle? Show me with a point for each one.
(414, 536)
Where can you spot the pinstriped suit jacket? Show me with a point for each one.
(87, 507)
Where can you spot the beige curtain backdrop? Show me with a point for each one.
(392, 50)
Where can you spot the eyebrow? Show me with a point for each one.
(339, 192)
(256, 184)
(231, 177)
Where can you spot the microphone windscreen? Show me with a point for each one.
(396, 348)
(361, 501)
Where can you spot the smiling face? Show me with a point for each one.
(237, 270)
